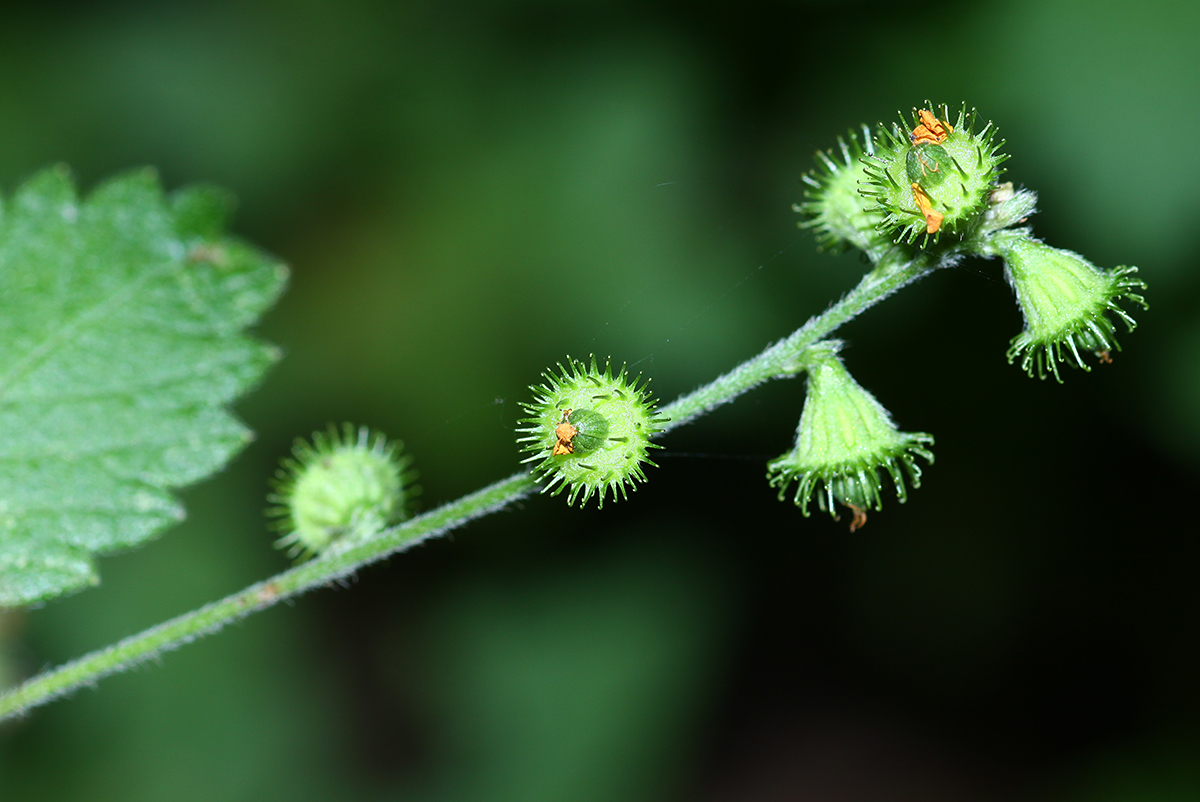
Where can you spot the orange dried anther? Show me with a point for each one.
(860, 517)
(933, 219)
(931, 131)
(564, 433)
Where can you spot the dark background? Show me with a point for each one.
(466, 194)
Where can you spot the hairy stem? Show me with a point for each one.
(787, 357)
(324, 570)
(784, 358)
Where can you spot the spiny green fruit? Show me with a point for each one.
(934, 178)
(589, 431)
(344, 488)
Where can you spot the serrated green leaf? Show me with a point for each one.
(121, 342)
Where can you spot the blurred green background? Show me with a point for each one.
(467, 193)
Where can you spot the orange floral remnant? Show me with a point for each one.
(931, 131)
(933, 219)
(860, 518)
(564, 433)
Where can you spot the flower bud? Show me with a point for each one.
(835, 208)
(1065, 300)
(344, 488)
(844, 438)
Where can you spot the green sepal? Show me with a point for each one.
(928, 165)
(591, 430)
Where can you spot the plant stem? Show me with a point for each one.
(324, 570)
(784, 358)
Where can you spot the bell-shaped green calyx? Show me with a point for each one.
(344, 488)
(589, 431)
(845, 437)
(929, 177)
(1066, 301)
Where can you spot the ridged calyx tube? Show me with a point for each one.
(844, 439)
(1068, 303)
(589, 431)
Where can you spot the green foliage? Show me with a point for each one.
(121, 320)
